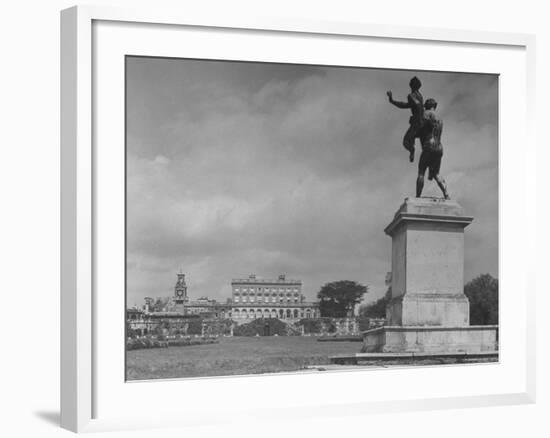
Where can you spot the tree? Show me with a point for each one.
(338, 298)
(482, 292)
(376, 309)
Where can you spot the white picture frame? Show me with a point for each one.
(84, 371)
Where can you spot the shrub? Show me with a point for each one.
(217, 326)
(260, 326)
(318, 325)
(195, 327)
(131, 333)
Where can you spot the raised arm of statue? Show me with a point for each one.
(397, 103)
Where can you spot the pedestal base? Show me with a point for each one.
(428, 309)
(431, 339)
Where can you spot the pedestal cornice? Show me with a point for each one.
(433, 210)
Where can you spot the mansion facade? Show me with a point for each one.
(280, 298)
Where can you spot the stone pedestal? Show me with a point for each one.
(428, 311)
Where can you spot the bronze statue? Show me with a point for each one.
(415, 102)
(432, 149)
(425, 125)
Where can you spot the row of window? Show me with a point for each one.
(281, 313)
(273, 300)
(260, 294)
(265, 289)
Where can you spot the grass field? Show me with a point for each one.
(236, 355)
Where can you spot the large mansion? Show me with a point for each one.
(254, 297)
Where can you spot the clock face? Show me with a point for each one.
(179, 293)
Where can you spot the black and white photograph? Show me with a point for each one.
(306, 218)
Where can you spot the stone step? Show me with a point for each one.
(411, 357)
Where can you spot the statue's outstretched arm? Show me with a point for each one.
(399, 104)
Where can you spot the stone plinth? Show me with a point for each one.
(428, 310)
(431, 339)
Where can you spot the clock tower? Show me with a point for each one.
(180, 290)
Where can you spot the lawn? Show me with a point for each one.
(235, 355)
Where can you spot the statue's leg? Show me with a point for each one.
(434, 172)
(442, 185)
(422, 166)
(419, 185)
(408, 141)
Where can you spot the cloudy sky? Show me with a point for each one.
(236, 168)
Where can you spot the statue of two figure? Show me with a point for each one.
(425, 125)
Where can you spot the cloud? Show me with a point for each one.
(236, 168)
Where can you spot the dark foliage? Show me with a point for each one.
(338, 298)
(194, 327)
(377, 309)
(217, 327)
(150, 342)
(317, 325)
(482, 292)
(264, 326)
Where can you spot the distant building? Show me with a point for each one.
(282, 298)
(181, 304)
(251, 298)
(208, 308)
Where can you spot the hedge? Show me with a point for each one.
(258, 327)
(179, 341)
